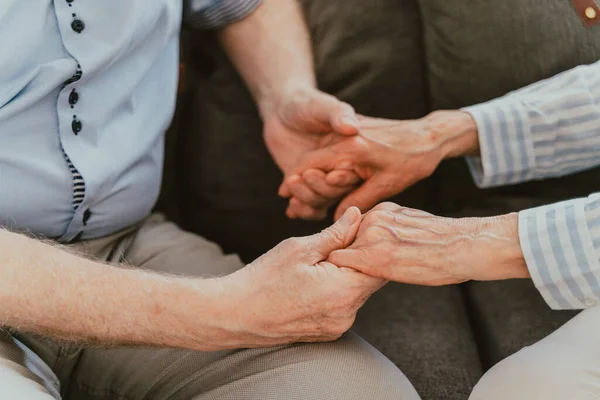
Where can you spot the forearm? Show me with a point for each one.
(49, 291)
(271, 49)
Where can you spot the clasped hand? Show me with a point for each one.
(412, 246)
(388, 156)
(310, 289)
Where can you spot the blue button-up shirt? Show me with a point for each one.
(87, 90)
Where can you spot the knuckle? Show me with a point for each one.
(333, 235)
(375, 217)
(371, 217)
(360, 145)
(425, 171)
(345, 325)
(291, 245)
(386, 206)
(338, 327)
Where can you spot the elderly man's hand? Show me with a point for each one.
(415, 247)
(292, 294)
(388, 155)
(294, 125)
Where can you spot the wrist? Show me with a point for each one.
(204, 311)
(271, 100)
(493, 250)
(454, 132)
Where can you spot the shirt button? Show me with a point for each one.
(77, 25)
(76, 125)
(86, 216)
(73, 98)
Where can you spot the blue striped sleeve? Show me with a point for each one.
(561, 245)
(212, 14)
(549, 129)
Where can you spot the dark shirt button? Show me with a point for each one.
(86, 216)
(69, 1)
(76, 125)
(77, 25)
(73, 98)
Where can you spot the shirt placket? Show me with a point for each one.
(71, 97)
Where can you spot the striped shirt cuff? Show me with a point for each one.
(506, 147)
(212, 14)
(561, 245)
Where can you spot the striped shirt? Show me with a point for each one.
(546, 130)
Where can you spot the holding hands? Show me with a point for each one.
(365, 165)
(415, 247)
(387, 155)
(295, 124)
(293, 294)
(310, 289)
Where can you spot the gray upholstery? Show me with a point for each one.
(395, 59)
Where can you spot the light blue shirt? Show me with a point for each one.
(87, 90)
(546, 130)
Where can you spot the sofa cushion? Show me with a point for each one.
(426, 332)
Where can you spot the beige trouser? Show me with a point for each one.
(563, 366)
(36, 368)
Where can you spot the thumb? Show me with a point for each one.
(338, 236)
(350, 258)
(370, 193)
(335, 115)
(343, 120)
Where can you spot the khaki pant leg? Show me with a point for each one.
(348, 369)
(564, 365)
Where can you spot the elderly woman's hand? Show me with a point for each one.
(411, 246)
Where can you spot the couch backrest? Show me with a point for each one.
(389, 58)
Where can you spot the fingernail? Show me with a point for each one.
(349, 120)
(351, 216)
(293, 179)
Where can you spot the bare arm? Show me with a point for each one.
(271, 49)
(47, 290)
(288, 295)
